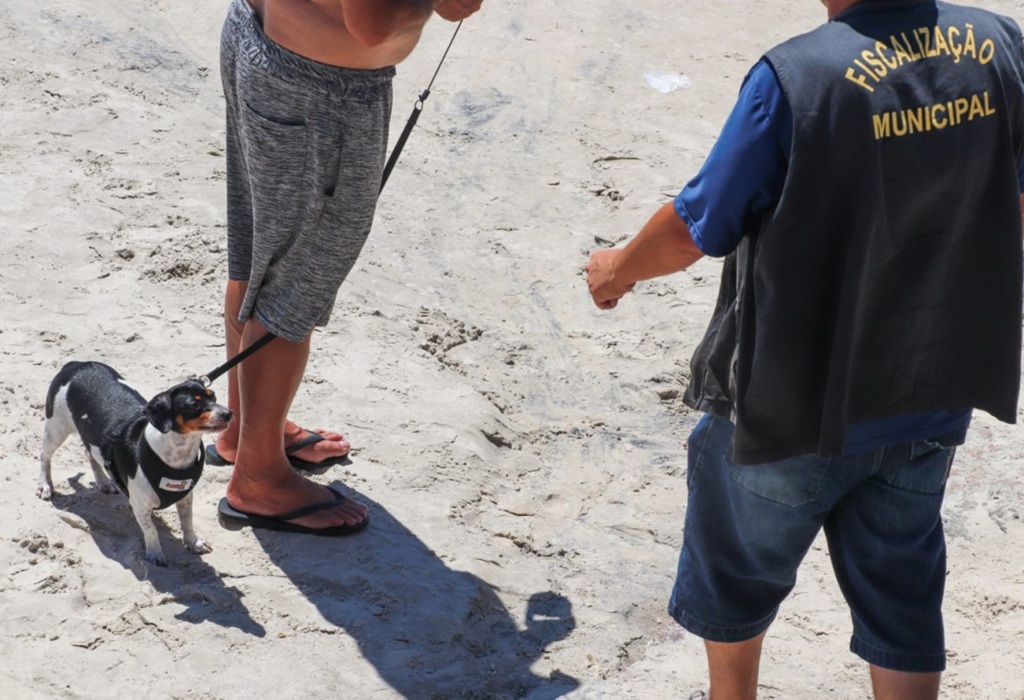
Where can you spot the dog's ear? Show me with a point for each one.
(160, 413)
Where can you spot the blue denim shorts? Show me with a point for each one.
(748, 528)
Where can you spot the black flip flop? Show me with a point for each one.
(234, 519)
(311, 439)
(214, 458)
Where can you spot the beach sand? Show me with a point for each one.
(523, 453)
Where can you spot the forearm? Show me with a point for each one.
(663, 246)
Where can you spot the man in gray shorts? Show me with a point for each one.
(308, 91)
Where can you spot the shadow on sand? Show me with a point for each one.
(430, 632)
(187, 578)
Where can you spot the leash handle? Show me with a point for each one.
(208, 379)
(400, 144)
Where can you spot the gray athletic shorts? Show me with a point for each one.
(306, 144)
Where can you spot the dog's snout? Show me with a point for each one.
(213, 419)
(220, 416)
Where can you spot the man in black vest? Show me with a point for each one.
(866, 193)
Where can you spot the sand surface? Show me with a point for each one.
(522, 452)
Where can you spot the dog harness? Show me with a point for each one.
(170, 485)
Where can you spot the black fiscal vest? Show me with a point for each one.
(887, 279)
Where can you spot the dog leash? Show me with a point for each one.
(208, 379)
(211, 377)
(414, 117)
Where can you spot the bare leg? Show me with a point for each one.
(263, 481)
(897, 685)
(733, 668)
(333, 445)
(227, 439)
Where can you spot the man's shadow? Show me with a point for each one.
(191, 581)
(430, 632)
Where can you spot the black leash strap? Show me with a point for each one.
(208, 379)
(414, 117)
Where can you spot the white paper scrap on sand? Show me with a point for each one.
(666, 81)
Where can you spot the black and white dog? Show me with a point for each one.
(153, 451)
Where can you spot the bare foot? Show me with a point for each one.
(289, 493)
(333, 445)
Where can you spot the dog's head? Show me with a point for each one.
(188, 407)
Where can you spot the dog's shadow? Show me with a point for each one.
(428, 630)
(187, 579)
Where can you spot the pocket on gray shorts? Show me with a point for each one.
(274, 146)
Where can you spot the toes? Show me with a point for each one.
(348, 512)
(325, 449)
(330, 435)
(354, 512)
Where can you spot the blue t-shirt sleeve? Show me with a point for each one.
(744, 173)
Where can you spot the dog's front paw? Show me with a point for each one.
(44, 491)
(199, 546)
(156, 558)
